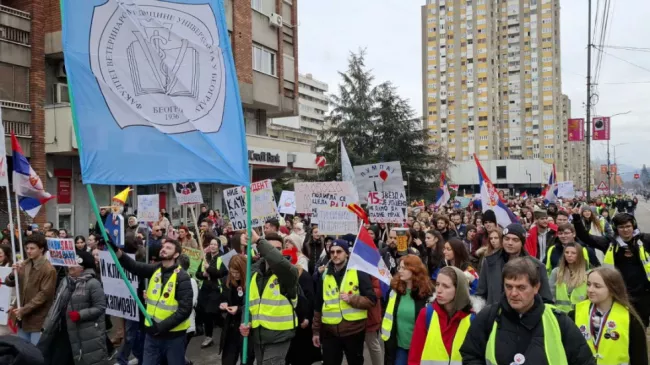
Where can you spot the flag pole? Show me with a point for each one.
(20, 236)
(13, 243)
(249, 232)
(93, 204)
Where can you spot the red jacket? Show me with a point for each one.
(448, 328)
(373, 324)
(531, 240)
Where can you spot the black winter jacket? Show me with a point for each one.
(630, 267)
(521, 335)
(210, 291)
(183, 293)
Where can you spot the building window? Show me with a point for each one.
(257, 5)
(263, 60)
(14, 83)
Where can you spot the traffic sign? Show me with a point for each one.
(602, 186)
(637, 176)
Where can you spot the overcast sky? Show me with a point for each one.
(391, 34)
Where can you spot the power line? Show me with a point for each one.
(625, 48)
(624, 83)
(622, 59)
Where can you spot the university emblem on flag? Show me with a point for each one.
(147, 60)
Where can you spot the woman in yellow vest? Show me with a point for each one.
(441, 327)
(211, 274)
(411, 287)
(568, 281)
(611, 326)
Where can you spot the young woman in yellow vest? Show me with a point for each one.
(568, 281)
(211, 273)
(410, 289)
(441, 327)
(608, 322)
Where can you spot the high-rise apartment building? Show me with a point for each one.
(491, 78)
(313, 105)
(574, 159)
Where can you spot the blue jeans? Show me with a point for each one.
(401, 356)
(155, 349)
(32, 337)
(133, 343)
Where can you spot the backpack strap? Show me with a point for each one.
(429, 314)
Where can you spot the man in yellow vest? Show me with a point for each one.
(343, 298)
(629, 252)
(521, 329)
(272, 299)
(169, 303)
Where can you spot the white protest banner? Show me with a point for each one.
(383, 176)
(188, 193)
(119, 302)
(287, 204)
(565, 189)
(61, 252)
(263, 205)
(336, 221)
(387, 206)
(5, 296)
(303, 192)
(148, 210)
(328, 200)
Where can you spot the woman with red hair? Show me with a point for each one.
(411, 287)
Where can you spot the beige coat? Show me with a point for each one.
(37, 284)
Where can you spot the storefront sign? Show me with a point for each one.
(63, 190)
(267, 156)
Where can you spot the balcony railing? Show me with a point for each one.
(14, 35)
(21, 129)
(16, 12)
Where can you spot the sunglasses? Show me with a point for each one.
(336, 252)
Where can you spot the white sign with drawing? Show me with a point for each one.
(287, 204)
(188, 193)
(148, 208)
(383, 176)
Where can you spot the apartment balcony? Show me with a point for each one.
(15, 28)
(59, 132)
(16, 118)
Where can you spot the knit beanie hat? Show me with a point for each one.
(342, 244)
(489, 216)
(297, 240)
(516, 229)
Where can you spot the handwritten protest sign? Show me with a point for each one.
(328, 200)
(287, 204)
(62, 251)
(386, 206)
(263, 204)
(565, 189)
(5, 296)
(304, 191)
(188, 193)
(336, 221)
(382, 176)
(196, 257)
(148, 208)
(119, 302)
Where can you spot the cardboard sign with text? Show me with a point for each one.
(382, 176)
(304, 191)
(263, 204)
(336, 221)
(61, 252)
(148, 208)
(119, 302)
(5, 296)
(387, 206)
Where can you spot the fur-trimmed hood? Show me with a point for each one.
(477, 302)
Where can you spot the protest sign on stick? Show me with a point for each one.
(119, 302)
(304, 191)
(196, 257)
(287, 204)
(337, 221)
(188, 193)
(387, 206)
(263, 205)
(61, 252)
(148, 208)
(5, 296)
(381, 176)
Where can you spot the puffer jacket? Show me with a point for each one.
(86, 296)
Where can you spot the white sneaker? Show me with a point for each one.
(207, 342)
(133, 361)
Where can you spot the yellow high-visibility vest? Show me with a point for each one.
(335, 309)
(562, 300)
(387, 322)
(614, 339)
(161, 302)
(643, 256)
(549, 267)
(555, 354)
(273, 310)
(435, 352)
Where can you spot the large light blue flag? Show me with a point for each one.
(154, 92)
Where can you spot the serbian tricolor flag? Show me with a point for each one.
(490, 198)
(550, 192)
(524, 195)
(365, 257)
(443, 194)
(27, 185)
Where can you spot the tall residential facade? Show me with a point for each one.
(491, 78)
(313, 105)
(35, 103)
(574, 153)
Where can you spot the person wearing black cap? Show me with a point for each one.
(343, 299)
(75, 323)
(490, 281)
(482, 237)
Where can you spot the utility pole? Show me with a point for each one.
(588, 120)
(609, 169)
